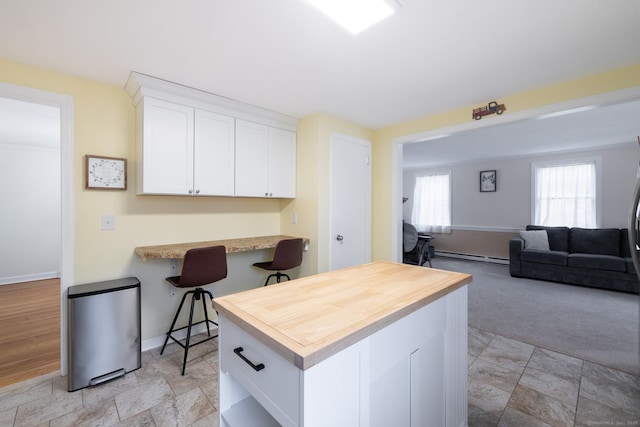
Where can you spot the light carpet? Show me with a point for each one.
(597, 325)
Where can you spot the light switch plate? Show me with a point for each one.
(108, 222)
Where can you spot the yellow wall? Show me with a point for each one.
(609, 81)
(104, 125)
(312, 201)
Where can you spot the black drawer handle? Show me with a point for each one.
(239, 350)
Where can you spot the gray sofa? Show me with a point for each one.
(598, 258)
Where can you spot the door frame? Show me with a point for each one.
(609, 98)
(368, 219)
(65, 104)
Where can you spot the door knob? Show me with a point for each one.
(339, 238)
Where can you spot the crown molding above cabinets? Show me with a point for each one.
(140, 85)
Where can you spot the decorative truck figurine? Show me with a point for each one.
(492, 108)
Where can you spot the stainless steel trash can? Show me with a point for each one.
(103, 331)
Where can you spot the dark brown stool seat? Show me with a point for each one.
(288, 255)
(201, 266)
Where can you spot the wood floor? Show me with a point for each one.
(29, 330)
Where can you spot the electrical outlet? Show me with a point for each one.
(294, 218)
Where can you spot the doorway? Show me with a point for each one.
(350, 201)
(35, 283)
(438, 137)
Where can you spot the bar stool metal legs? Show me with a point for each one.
(196, 294)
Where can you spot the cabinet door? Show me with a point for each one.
(213, 157)
(407, 370)
(252, 149)
(282, 163)
(427, 383)
(166, 152)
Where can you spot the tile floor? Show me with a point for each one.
(511, 383)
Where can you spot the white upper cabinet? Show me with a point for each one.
(184, 151)
(213, 157)
(282, 163)
(191, 142)
(265, 161)
(252, 149)
(165, 148)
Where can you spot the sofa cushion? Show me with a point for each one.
(630, 268)
(544, 257)
(535, 239)
(600, 241)
(597, 262)
(558, 237)
(625, 249)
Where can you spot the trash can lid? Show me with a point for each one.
(102, 287)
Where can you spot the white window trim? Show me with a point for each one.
(568, 162)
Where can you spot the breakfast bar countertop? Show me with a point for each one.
(311, 318)
(177, 250)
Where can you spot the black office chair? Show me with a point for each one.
(415, 248)
(201, 266)
(288, 255)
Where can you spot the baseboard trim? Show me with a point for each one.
(10, 280)
(471, 257)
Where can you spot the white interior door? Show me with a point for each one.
(350, 201)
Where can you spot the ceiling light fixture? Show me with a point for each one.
(356, 15)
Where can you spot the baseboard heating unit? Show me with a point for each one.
(471, 257)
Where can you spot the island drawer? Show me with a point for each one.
(273, 381)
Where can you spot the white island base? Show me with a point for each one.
(412, 372)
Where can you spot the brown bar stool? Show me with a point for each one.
(288, 255)
(201, 266)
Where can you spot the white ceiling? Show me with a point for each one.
(284, 55)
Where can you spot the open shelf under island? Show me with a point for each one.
(373, 345)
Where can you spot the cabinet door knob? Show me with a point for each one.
(190, 191)
(339, 238)
(198, 191)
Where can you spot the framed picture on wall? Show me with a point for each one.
(105, 173)
(488, 180)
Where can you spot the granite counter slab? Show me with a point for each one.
(177, 250)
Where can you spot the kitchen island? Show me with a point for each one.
(373, 345)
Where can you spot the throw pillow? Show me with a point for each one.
(535, 239)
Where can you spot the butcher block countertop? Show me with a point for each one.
(177, 250)
(309, 319)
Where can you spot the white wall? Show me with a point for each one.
(510, 206)
(30, 218)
